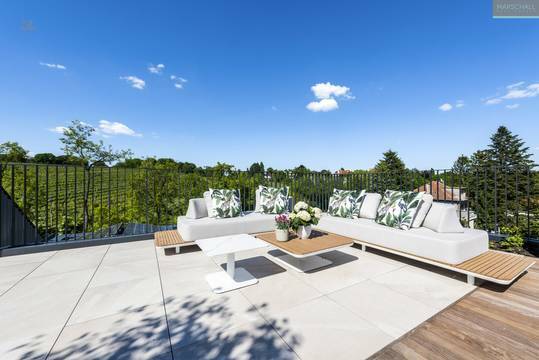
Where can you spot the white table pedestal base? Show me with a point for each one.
(301, 264)
(221, 282)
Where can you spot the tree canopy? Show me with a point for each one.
(391, 162)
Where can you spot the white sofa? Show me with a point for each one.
(449, 248)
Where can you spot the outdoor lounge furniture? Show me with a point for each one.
(233, 278)
(302, 254)
(170, 239)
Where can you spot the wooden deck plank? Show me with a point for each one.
(319, 241)
(493, 322)
(169, 238)
(497, 265)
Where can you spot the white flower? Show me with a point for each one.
(300, 206)
(304, 215)
(317, 213)
(292, 216)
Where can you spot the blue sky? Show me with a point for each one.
(244, 76)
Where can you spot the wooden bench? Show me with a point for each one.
(170, 239)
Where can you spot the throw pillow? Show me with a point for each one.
(398, 208)
(273, 200)
(424, 206)
(370, 205)
(358, 203)
(443, 218)
(342, 203)
(225, 203)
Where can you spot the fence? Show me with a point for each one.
(66, 202)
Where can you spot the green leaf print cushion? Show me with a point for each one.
(273, 200)
(225, 203)
(342, 203)
(398, 208)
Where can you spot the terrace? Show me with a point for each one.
(95, 292)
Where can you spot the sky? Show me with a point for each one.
(324, 84)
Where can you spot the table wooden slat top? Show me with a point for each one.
(318, 242)
(497, 265)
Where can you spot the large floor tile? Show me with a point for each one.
(110, 299)
(116, 256)
(322, 329)
(26, 258)
(391, 312)
(140, 333)
(71, 260)
(279, 292)
(253, 340)
(110, 274)
(179, 283)
(11, 274)
(430, 288)
(207, 316)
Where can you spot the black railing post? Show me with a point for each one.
(36, 212)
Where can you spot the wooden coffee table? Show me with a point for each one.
(301, 254)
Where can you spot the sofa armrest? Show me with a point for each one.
(197, 209)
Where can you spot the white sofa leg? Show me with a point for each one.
(470, 279)
(363, 247)
(177, 249)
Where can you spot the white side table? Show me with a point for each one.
(233, 278)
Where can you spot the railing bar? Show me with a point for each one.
(23, 234)
(66, 238)
(108, 201)
(36, 195)
(75, 202)
(57, 204)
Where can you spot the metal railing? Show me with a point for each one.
(67, 202)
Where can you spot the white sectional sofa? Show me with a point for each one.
(449, 248)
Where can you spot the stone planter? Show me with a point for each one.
(281, 235)
(304, 232)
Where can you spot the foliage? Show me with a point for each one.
(461, 165)
(304, 215)
(13, 152)
(256, 168)
(391, 162)
(514, 241)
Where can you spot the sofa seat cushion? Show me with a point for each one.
(450, 248)
(250, 223)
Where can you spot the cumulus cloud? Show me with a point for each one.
(178, 81)
(445, 107)
(323, 105)
(134, 81)
(326, 93)
(53, 66)
(328, 90)
(512, 106)
(58, 129)
(518, 90)
(178, 86)
(116, 128)
(157, 69)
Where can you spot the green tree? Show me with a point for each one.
(77, 141)
(461, 165)
(256, 168)
(391, 162)
(507, 149)
(13, 152)
(44, 158)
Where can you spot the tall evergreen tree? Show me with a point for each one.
(391, 162)
(507, 149)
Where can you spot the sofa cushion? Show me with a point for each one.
(207, 200)
(443, 218)
(424, 206)
(202, 228)
(342, 203)
(197, 209)
(271, 200)
(398, 208)
(225, 203)
(369, 205)
(360, 198)
(450, 248)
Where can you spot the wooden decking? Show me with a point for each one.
(493, 322)
(169, 239)
(497, 265)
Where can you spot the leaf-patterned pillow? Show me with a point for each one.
(273, 200)
(398, 208)
(225, 203)
(342, 203)
(358, 202)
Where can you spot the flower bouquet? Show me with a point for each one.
(303, 217)
(282, 222)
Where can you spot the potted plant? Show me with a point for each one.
(302, 219)
(283, 224)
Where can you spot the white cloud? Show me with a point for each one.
(58, 129)
(516, 91)
(157, 69)
(178, 86)
(459, 104)
(328, 90)
(512, 106)
(178, 78)
(445, 107)
(323, 105)
(134, 81)
(116, 128)
(53, 66)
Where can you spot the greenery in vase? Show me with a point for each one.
(282, 222)
(304, 215)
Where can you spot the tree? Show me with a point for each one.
(44, 158)
(391, 162)
(461, 165)
(13, 152)
(130, 163)
(507, 149)
(77, 141)
(301, 170)
(256, 168)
